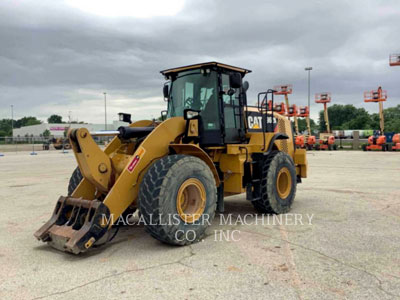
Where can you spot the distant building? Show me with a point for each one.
(57, 130)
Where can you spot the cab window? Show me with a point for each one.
(198, 91)
(232, 100)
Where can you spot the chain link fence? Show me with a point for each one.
(19, 144)
(33, 144)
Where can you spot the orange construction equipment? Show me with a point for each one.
(279, 108)
(284, 90)
(301, 141)
(304, 112)
(326, 140)
(293, 112)
(377, 142)
(396, 142)
(394, 60)
(324, 98)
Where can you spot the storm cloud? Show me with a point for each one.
(55, 58)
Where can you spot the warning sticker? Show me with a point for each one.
(135, 160)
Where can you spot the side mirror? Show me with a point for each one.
(235, 80)
(125, 118)
(166, 91)
(245, 86)
(164, 114)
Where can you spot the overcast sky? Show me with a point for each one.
(60, 56)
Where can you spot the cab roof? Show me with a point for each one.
(202, 65)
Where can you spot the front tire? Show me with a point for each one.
(74, 181)
(178, 199)
(278, 185)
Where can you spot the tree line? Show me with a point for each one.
(345, 117)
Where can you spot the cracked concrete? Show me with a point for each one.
(351, 250)
(179, 261)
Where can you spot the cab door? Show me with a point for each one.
(233, 112)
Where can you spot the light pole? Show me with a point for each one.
(105, 110)
(309, 71)
(12, 121)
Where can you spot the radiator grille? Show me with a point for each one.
(281, 129)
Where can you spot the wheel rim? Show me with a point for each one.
(284, 183)
(191, 200)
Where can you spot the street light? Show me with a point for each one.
(105, 110)
(309, 71)
(12, 121)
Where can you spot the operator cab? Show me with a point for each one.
(215, 92)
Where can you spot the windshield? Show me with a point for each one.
(197, 91)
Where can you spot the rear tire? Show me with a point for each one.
(334, 147)
(277, 193)
(364, 147)
(168, 218)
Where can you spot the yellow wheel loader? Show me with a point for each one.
(60, 143)
(210, 144)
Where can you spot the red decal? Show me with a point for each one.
(133, 163)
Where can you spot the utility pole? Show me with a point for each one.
(309, 82)
(105, 111)
(69, 120)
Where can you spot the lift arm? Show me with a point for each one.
(296, 125)
(326, 118)
(381, 117)
(308, 125)
(94, 164)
